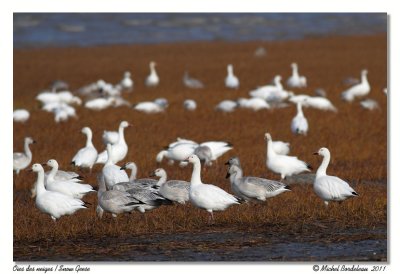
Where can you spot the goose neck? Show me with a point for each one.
(121, 139)
(270, 150)
(324, 165)
(196, 178)
(133, 173)
(89, 139)
(52, 173)
(162, 179)
(40, 183)
(28, 151)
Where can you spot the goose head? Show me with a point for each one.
(293, 65)
(267, 137)
(51, 163)
(230, 68)
(322, 152)
(125, 124)
(232, 170)
(233, 161)
(37, 168)
(29, 140)
(159, 172)
(193, 159)
(86, 130)
(152, 65)
(127, 74)
(128, 165)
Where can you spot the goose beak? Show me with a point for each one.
(227, 175)
(153, 174)
(34, 142)
(227, 163)
(44, 164)
(30, 170)
(315, 153)
(123, 167)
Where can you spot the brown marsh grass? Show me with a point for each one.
(356, 137)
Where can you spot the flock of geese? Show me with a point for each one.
(58, 193)
(100, 95)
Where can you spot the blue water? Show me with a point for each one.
(87, 29)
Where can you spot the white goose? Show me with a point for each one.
(330, 188)
(190, 104)
(207, 196)
(22, 159)
(127, 82)
(120, 149)
(112, 173)
(319, 103)
(369, 104)
(100, 103)
(280, 147)
(283, 164)
(267, 91)
(253, 188)
(357, 90)
(86, 157)
(110, 137)
(296, 81)
(152, 80)
(254, 104)
(149, 107)
(231, 81)
(191, 82)
(173, 190)
(54, 203)
(226, 106)
(179, 152)
(70, 187)
(299, 123)
(218, 148)
(21, 115)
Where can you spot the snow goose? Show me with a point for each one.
(283, 164)
(133, 182)
(21, 115)
(110, 137)
(300, 98)
(330, 188)
(218, 148)
(127, 82)
(173, 190)
(112, 173)
(86, 156)
(280, 147)
(207, 196)
(70, 187)
(190, 104)
(299, 123)
(55, 204)
(152, 80)
(191, 82)
(149, 107)
(265, 92)
(205, 154)
(22, 159)
(296, 81)
(119, 150)
(114, 201)
(254, 104)
(357, 90)
(100, 103)
(319, 103)
(253, 188)
(178, 152)
(226, 106)
(231, 81)
(369, 104)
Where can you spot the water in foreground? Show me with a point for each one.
(314, 243)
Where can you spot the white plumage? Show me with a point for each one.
(22, 159)
(21, 115)
(283, 164)
(299, 123)
(173, 190)
(296, 81)
(226, 106)
(207, 196)
(357, 90)
(330, 188)
(54, 203)
(231, 81)
(86, 156)
(152, 80)
(119, 149)
(112, 173)
(70, 187)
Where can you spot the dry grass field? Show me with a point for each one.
(357, 138)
